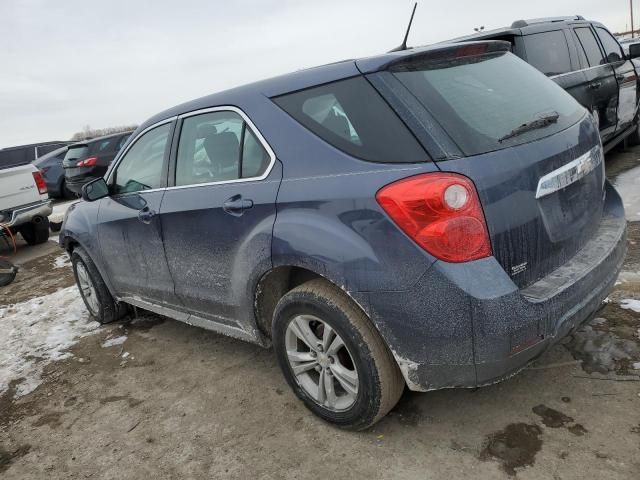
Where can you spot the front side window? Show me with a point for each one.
(352, 116)
(218, 147)
(142, 166)
(612, 48)
(548, 52)
(590, 46)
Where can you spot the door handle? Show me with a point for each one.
(595, 85)
(146, 215)
(620, 77)
(236, 205)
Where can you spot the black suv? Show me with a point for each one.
(585, 59)
(88, 160)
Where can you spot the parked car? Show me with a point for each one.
(51, 167)
(434, 217)
(88, 160)
(24, 154)
(627, 42)
(585, 59)
(24, 202)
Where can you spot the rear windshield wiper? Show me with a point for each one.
(540, 122)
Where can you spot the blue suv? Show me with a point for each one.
(429, 218)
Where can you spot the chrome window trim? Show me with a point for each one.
(121, 155)
(578, 71)
(570, 173)
(222, 108)
(254, 129)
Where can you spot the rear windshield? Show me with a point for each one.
(479, 101)
(75, 153)
(353, 117)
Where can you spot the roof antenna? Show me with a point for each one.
(403, 46)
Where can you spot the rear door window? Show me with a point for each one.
(548, 52)
(353, 117)
(218, 147)
(612, 48)
(590, 46)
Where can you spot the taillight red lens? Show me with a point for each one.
(441, 212)
(40, 183)
(89, 162)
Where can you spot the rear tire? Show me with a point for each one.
(355, 397)
(94, 292)
(35, 233)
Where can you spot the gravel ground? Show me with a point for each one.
(154, 397)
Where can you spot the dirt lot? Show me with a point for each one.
(150, 397)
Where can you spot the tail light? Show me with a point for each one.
(441, 212)
(88, 162)
(40, 183)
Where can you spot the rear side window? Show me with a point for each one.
(612, 48)
(548, 52)
(353, 117)
(218, 147)
(590, 46)
(481, 101)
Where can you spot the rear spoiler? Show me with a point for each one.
(429, 55)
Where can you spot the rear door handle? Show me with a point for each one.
(146, 215)
(236, 205)
(595, 85)
(620, 77)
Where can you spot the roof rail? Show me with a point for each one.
(525, 23)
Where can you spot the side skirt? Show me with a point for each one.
(194, 320)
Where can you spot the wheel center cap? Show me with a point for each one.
(323, 360)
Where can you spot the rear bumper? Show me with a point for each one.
(467, 325)
(25, 214)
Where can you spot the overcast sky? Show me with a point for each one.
(69, 63)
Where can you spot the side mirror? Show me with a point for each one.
(634, 50)
(95, 190)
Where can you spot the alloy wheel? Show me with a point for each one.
(321, 363)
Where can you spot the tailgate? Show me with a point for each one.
(17, 187)
(543, 201)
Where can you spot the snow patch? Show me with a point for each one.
(630, 304)
(112, 342)
(38, 332)
(62, 261)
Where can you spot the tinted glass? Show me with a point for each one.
(480, 100)
(142, 166)
(352, 116)
(612, 48)
(548, 52)
(102, 146)
(255, 158)
(590, 46)
(76, 153)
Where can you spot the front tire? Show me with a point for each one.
(35, 233)
(333, 357)
(94, 292)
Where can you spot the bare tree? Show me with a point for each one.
(87, 132)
